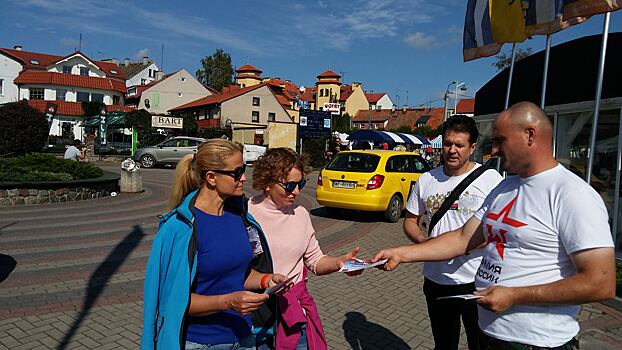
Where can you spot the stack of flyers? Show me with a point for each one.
(277, 287)
(461, 296)
(358, 264)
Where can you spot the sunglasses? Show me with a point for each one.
(236, 174)
(291, 186)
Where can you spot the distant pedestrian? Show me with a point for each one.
(75, 152)
(205, 257)
(279, 174)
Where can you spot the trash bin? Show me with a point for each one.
(131, 178)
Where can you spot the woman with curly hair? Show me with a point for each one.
(279, 175)
(202, 278)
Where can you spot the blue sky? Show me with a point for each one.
(408, 48)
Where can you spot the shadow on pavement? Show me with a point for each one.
(101, 276)
(7, 265)
(346, 214)
(364, 335)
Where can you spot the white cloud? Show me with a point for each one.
(322, 4)
(142, 53)
(424, 41)
(421, 40)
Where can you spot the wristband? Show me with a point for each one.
(264, 281)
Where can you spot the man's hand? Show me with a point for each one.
(394, 258)
(350, 256)
(245, 302)
(497, 298)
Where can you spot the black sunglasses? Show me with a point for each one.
(236, 174)
(291, 186)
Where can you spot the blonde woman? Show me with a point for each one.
(199, 273)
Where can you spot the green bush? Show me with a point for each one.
(316, 149)
(23, 129)
(41, 167)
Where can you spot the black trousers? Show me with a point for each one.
(445, 315)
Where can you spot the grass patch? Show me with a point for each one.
(42, 167)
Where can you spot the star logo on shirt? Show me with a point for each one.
(499, 239)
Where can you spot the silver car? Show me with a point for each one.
(168, 152)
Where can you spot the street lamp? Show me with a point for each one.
(462, 87)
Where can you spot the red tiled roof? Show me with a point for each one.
(72, 108)
(45, 60)
(226, 95)
(309, 95)
(374, 97)
(329, 74)
(400, 117)
(346, 91)
(38, 77)
(248, 68)
(466, 106)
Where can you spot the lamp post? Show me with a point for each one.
(463, 88)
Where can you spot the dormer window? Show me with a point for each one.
(131, 91)
(114, 72)
(84, 71)
(67, 69)
(34, 62)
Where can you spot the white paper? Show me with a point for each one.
(461, 296)
(277, 287)
(358, 264)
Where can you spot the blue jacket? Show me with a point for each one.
(171, 271)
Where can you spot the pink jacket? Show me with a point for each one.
(291, 305)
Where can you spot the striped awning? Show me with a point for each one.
(437, 142)
(387, 136)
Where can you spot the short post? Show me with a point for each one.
(131, 179)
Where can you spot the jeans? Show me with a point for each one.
(445, 315)
(266, 343)
(247, 343)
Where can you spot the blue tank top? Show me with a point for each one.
(224, 257)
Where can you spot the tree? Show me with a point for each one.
(216, 70)
(341, 123)
(23, 129)
(504, 60)
(92, 108)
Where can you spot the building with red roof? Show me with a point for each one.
(391, 120)
(63, 80)
(466, 106)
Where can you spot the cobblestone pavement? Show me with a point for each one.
(80, 267)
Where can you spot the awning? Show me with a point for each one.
(437, 142)
(114, 118)
(386, 136)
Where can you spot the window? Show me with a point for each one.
(183, 79)
(34, 62)
(114, 71)
(36, 93)
(84, 71)
(143, 81)
(255, 118)
(255, 101)
(61, 94)
(67, 69)
(116, 100)
(271, 117)
(1, 86)
(179, 94)
(83, 96)
(97, 98)
(131, 91)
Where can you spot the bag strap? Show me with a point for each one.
(453, 196)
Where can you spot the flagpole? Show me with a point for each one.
(599, 86)
(545, 73)
(507, 93)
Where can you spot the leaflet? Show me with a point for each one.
(461, 296)
(358, 264)
(277, 287)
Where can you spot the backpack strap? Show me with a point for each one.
(453, 196)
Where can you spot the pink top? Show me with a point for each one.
(290, 236)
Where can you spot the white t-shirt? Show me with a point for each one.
(427, 196)
(72, 153)
(532, 225)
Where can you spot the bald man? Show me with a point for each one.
(546, 237)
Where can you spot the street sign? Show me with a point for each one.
(334, 108)
(102, 126)
(167, 122)
(314, 123)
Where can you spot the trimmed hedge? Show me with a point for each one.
(41, 167)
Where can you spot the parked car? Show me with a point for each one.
(253, 152)
(370, 180)
(168, 152)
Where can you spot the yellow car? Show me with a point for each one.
(370, 180)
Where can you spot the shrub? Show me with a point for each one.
(23, 129)
(316, 149)
(41, 167)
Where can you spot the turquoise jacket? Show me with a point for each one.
(171, 271)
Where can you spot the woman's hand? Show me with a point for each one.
(350, 256)
(245, 302)
(278, 278)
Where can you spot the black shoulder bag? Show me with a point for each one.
(453, 196)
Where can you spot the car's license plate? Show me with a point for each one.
(344, 184)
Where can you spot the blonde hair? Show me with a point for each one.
(210, 155)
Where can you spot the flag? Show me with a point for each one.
(477, 40)
(507, 20)
(586, 8)
(545, 17)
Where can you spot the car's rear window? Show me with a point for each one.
(355, 162)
